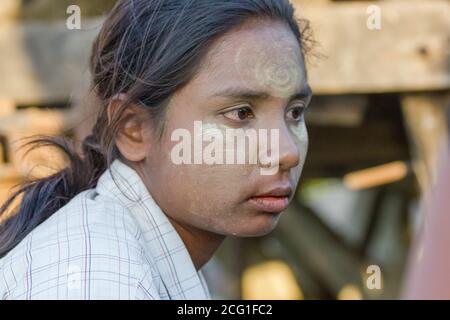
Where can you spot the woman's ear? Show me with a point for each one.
(132, 139)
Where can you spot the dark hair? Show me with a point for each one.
(147, 49)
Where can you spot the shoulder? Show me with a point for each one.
(89, 249)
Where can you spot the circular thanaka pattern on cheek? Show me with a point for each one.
(214, 196)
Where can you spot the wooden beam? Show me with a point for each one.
(24, 124)
(339, 111)
(426, 123)
(411, 52)
(56, 10)
(44, 63)
(334, 151)
(9, 10)
(329, 260)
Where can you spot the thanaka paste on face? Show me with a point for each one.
(214, 197)
(301, 135)
(229, 146)
(274, 66)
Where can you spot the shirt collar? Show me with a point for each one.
(162, 242)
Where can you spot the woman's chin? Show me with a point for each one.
(258, 226)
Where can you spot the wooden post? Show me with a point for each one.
(426, 123)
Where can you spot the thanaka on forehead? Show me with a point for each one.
(250, 34)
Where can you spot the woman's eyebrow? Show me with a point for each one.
(304, 94)
(250, 94)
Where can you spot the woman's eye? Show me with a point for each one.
(240, 114)
(296, 113)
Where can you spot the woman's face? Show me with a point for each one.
(253, 79)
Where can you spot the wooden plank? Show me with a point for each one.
(328, 260)
(9, 10)
(24, 124)
(335, 150)
(56, 10)
(411, 51)
(44, 63)
(7, 107)
(426, 123)
(342, 110)
(33, 121)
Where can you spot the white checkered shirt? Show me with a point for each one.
(111, 242)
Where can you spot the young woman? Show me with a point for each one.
(125, 220)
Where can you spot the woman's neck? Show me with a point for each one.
(200, 244)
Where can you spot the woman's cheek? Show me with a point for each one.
(206, 188)
(300, 133)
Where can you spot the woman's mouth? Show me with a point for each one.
(274, 200)
(274, 204)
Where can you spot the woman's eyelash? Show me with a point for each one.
(239, 114)
(300, 108)
(244, 113)
(299, 104)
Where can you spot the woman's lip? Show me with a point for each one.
(273, 204)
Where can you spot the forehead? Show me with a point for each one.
(260, 55)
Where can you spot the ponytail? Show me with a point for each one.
(43, 197)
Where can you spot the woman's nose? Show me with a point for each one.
(289, 150)
(285, 148)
